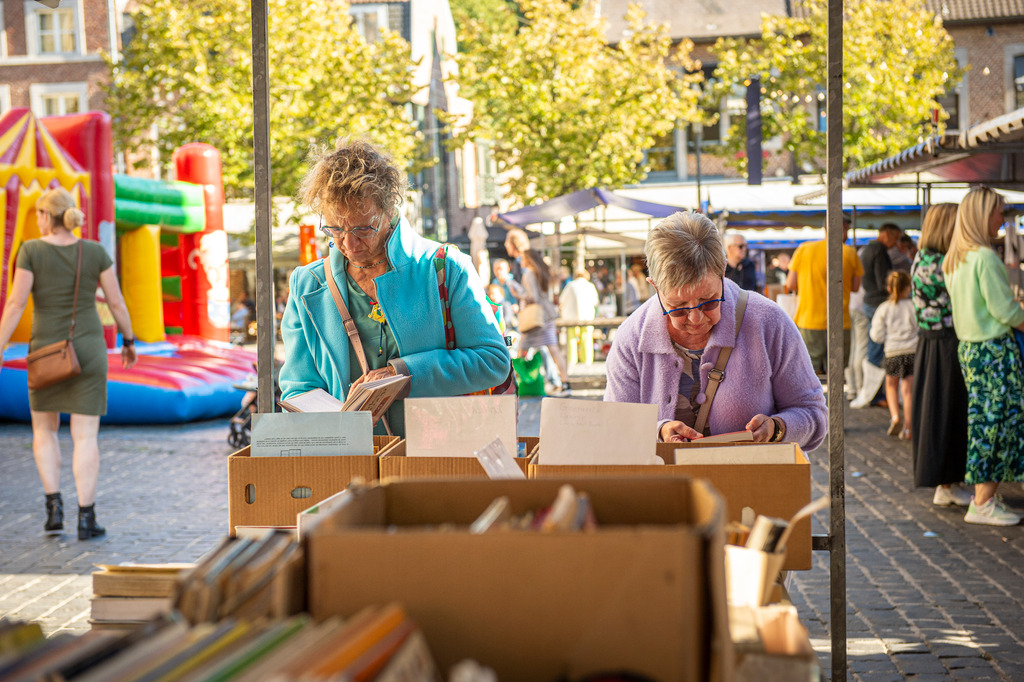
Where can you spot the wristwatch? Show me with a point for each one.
(780, 430)
(128, 342)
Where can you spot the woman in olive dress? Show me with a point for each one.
(46, 268)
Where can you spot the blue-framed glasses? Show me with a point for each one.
(705, 307)
(361, 232)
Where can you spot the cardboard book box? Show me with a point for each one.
(396, 465)
(778, 490)
(271, 491)
(644, 592)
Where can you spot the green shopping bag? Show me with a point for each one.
(531, 381)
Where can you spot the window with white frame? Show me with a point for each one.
(58, 99)
(954, 102)
(1018, 81)
(54, 32)
(369, 20)
(5, 99)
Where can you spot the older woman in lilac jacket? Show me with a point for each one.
(664, 352)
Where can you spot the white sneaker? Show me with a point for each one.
(992, 513)
(954, 495)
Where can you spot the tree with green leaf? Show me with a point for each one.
(175, 86)
(564, 110)
(491, 16)
(897, 62)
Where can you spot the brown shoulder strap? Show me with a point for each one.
(717, 375)
(346, 317)
(78, 277)
(350, 325)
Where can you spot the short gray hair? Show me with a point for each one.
(683, 249)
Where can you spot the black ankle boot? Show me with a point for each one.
(54, 513)
(87, 526)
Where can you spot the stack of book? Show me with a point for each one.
(245, 578)
(380, 644)
(126, 596)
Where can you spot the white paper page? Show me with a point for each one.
(764, 453)
(317, 400)
(595, 432)
(458, 427)
(308, 518)
(311, 434)
(498, 462)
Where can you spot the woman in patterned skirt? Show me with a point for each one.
(984, 316)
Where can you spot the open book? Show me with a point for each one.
(370, 396)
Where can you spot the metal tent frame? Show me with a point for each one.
(835, 541)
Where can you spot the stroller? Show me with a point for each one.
(240, 426)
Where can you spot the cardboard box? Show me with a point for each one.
(772, 645)
(395, 464)
(644, 592)
(271, 491)
(778, 490)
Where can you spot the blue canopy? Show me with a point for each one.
(555, 209)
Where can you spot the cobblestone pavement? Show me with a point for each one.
(929, 597)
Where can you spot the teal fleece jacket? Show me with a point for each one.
(317, 348)
(983, 303)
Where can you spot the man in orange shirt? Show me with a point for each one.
(807, 279)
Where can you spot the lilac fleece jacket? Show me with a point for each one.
(769, 371)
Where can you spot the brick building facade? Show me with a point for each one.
(50, 58)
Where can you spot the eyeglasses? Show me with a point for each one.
(739, 246)
(705, 307)
(365, 232)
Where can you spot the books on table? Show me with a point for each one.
(374, 397)
(128, 595)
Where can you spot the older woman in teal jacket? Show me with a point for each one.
(386, 275)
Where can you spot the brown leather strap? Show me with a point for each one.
(350, 326)
(346, 317)
(78, 277)
(717, 375)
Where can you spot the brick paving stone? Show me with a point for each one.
(917, 664)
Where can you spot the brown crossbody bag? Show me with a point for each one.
(56, 362)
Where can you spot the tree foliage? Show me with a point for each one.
(175, 86)
(564, 110)
(491, 16)
(897, 61)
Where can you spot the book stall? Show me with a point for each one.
(453, 554)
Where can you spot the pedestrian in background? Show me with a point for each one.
(877, 266)
(939, 415)
(984, 316)
(579, 302)
(807, 277)
(895, 327)
(503, 278)
(536, 288)
(48, 268)
(860, 329)
(738, 267)
(516, 243)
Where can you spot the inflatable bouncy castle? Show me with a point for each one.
(168, 242)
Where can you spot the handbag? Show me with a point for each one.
(531, 316)
(56, 362)
(508, 386)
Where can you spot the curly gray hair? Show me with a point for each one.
(683, 249)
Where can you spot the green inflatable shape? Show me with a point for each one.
(158, 191)
(183, 219)
(171, 288)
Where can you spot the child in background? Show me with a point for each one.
(895, 327)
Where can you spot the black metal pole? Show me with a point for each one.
(265, 334)
(836, 402)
